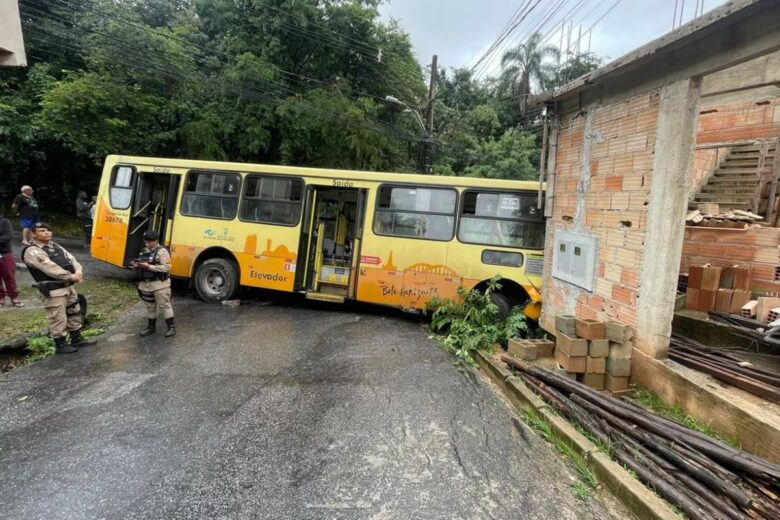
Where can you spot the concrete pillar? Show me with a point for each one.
(668, 204)
(11, 41)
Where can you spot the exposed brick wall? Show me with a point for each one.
(739, 121)
(757, 247)
(703, 162)
(603, 168)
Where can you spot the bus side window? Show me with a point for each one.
(508, 219)
(211, 194)
(272, 200)
(121, 191)
(415, 212)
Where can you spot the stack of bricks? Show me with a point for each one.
(723, 289)
(531, 349)
(581, 350)
(594, 353)
(618, 366)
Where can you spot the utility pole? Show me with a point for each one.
(428, 142)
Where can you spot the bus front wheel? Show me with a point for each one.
(503, 303)
(216, 280)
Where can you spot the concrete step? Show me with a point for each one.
(742, 179)
(721, 199)
(750, 148)
(724, 190)
(739, 163)
(737, 171)
(742, 169)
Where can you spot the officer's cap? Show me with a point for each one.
(151, 235)
(40, 225)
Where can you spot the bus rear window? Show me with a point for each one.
(211, 194)
(501, 219)
(415, 212)
(121, 190)
(272, 200)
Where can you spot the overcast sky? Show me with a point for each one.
(460, 31)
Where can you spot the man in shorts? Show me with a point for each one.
(27, 208)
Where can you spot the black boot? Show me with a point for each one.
(61, 346)
(150, 329)
(171, 329)
(77, 341)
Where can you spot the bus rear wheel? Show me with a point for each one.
(216, 280)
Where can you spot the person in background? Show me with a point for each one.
(93, 209)
(153, 266)
(83, 207)
(7, 265)
(27, 208)
(55, 272)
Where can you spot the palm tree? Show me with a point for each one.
(523, 65)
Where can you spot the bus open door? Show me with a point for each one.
(333, 228)
(133, 202)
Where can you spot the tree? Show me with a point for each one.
(559, 75)
(524, 67)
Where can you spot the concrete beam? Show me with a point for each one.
(736, 32)
(674, 145)
(760, 72)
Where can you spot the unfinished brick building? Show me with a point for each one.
(621, 164)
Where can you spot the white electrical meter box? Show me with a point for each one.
(574, 258)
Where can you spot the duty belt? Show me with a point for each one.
(47, 286)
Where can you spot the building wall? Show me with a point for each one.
(11, 42)
(739, 121)
(703, 163)
(603, 169)
(756, 247)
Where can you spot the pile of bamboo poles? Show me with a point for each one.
(725, 367)
(703, 477)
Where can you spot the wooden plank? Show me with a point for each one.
(753, 386)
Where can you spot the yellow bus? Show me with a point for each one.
(385, 238)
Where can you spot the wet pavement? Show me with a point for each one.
(275, 412)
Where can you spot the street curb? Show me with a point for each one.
(636, 497)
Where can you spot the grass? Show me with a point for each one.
(580, 491)
(564, 448)
(653, 402)
(603, 447)
(106, 300)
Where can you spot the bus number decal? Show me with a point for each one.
(160, 169)
(113, 219)
(342, 183)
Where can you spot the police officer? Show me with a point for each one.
(154, 286)
(55, 272)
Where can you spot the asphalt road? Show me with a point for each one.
(276, 412)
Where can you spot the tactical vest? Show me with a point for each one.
(150, 256)
(57, 255)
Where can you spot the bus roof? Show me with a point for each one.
(389, 177)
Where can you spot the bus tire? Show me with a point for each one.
(502, 302)
(216, 280)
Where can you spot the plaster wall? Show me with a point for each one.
(11, 42)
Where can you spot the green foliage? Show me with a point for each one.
(289, 81)
(40, 347)
(653, 401)
(580, 491)
(472, 322)
(557, 75)
(92, 332)
(564, 448)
